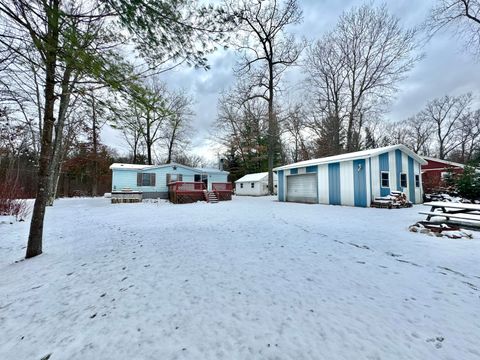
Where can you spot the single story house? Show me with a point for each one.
(255, 184)
(152, 180)
(353, 179)
(435, 172)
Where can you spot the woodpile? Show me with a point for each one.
(395, 200)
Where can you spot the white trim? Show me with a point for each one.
(353, 156)
(381, 180)
(406, 180)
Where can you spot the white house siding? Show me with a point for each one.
(369, 181)
(323, 197)
(406, 190)
(260, 188)
(346, 183)
(375, 176)
(392, 169)
(418, 190)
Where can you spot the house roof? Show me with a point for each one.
(255, 177)
(137, 167)
(119, 166)
(353, 156)
(446, 162)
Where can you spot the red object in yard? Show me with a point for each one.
(434, 172)
(180, 192)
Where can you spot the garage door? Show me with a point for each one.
(302, 188)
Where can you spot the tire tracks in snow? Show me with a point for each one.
(396, 257)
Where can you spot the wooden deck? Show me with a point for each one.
(180, 192)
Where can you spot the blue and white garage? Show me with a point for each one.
(353, 179)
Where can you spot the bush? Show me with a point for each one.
(468, 183)
(13, 201)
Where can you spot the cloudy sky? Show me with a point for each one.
(446, 69)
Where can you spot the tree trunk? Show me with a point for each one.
(34, 246)
(58, 145)
(95, 149)
(271, 128)
(148, 142)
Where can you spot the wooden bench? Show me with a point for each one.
(458, 212)
(460, 216)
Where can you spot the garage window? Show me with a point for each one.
(252, 185)
(403, 180)
(417, 180)
(241, 185)
(385, 176)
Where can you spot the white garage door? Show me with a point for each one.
(302, 188)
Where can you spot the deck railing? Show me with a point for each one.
(222, 187)
(182, 186)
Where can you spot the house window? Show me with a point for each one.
(241, 185)
(403, 180)
(417, 180)
(174, 178)
(145, 179)
(385, 178)
(252, 185)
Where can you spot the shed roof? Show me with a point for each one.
(255, 177)
(353, 156)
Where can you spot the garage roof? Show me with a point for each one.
(353, 156)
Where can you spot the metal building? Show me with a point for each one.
(353, 179)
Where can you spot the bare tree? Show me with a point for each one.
(295, 128)
(461, 15)
(176, 125)
(357, 67)
(469, 137)
(267, 52)
(445, 115)
(159, 31)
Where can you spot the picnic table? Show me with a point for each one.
(454, 212)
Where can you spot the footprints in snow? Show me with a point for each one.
(437, 341)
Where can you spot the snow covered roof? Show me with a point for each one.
(444, 161)
(119, 166)
(211, 170)
(255, 177)
(353, 156)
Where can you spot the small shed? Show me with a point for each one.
(436, 171)
(255, 184)
(353, 179)
(152, 180)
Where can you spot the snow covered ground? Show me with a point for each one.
(247, 279)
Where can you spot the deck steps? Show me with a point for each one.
(210, 197)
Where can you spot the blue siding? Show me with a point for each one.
(312, 169)
(334, 183)
(281, 196)
(411, 180)
(293, 171)
(360, 183)
(398, 163)
(384, 166)
(127, 178)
